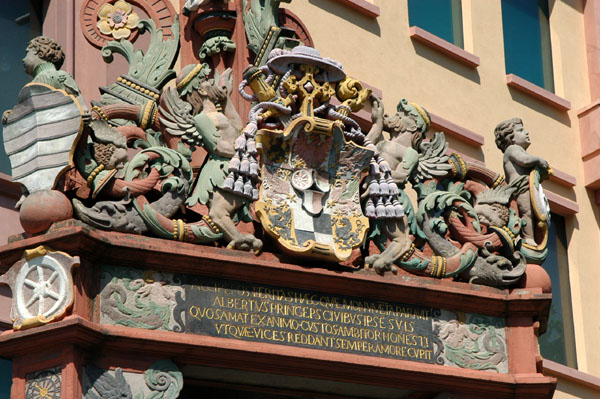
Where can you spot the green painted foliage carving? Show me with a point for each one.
(154, 67)
(259, 19)
(437, 202)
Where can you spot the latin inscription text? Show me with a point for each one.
(308, 319)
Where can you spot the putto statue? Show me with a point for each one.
(182, 164)
(523, 171)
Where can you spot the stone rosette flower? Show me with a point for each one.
(117, 20)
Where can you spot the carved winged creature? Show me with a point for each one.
(202, 116)
(410, 158)
(458, 228)
(407, 153)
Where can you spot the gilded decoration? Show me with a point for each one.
(191, 304)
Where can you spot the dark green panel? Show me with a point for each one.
(553, 343)
(13, 42)
(443, 18)
(527, 48)
(5, 378)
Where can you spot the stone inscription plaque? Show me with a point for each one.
(287, 316)
(260, 313)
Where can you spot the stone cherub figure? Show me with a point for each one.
(513, 140)
(409, 158)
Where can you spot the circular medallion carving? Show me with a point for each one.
(44, 385)
(161, 12)
(42, 288)
(302, 179)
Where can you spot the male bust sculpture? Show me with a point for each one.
(513, 140)
(43, 61)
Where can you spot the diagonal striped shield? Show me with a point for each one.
(40, 135)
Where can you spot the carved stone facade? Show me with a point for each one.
(232, 216)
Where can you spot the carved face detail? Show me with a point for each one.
(404, 128)
(213, 91)
(492, 214)
(521, 136)
(30, 61)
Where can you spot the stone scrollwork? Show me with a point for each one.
(471, 341)
(215, 45)
(133, 299)
(42, 287)
(162, 380)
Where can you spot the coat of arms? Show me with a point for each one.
(40, 135)
(309, 197)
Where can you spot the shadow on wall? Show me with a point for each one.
(537, 105)
(446, 62)
(362, 21)
(9, 195)
(577, 5)
(469, 152)
(5, 307)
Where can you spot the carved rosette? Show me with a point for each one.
(42, 286)
(92, 13)
(45, 384)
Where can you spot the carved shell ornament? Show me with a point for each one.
(117, 20)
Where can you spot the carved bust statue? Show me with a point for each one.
(43, 61)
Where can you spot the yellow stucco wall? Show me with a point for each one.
(380, 52)
(567, 389)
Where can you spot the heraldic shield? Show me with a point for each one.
(40, 135)
(309, 198)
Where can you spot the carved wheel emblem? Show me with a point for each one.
(302, 179)
(41, 287)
